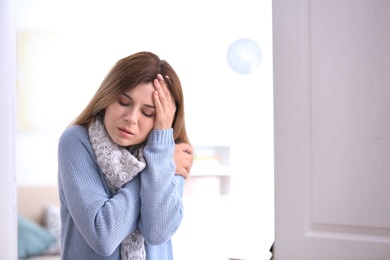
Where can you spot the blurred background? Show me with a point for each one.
(222, 52)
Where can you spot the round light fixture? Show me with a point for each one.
(244, 56)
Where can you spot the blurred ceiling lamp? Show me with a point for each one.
(244, 56)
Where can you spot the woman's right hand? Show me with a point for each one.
(164, 102)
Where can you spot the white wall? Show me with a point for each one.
(8, 227)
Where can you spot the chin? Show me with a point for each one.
(123, 143)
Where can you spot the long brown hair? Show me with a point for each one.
(127, 73)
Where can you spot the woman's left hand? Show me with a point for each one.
(183, 158)
(165, 104)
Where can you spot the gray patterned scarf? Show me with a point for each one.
(119, 167)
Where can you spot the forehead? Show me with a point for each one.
(142, 91)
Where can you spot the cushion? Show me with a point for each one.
(32, 238)
(52, 223)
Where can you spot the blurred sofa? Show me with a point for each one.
(39, 222)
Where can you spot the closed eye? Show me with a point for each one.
(148, 112)
(124, 100)
(147, 115)
(124, 104)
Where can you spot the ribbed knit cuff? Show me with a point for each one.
(161, 136)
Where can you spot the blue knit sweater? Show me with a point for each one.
(94, 222)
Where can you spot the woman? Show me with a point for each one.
(121, 176)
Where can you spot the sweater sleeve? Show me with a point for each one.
(161, 189)
(103, 220)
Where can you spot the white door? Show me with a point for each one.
(332, 129)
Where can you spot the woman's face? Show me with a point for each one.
(130, 118)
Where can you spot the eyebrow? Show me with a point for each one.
(146, 105)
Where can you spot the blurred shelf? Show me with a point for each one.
(210, 173)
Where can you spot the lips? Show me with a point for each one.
(125, 132)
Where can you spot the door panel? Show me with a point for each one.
(332, 129)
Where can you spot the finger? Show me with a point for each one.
(168, 98)
(183, 172)
(187, 155)
(185, 148)
(160, 93)
(167, 109)
(161, 87)
(188, 159)
(157, 102)
(164, 84)
(162, 121)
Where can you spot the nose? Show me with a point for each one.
(131, 117)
